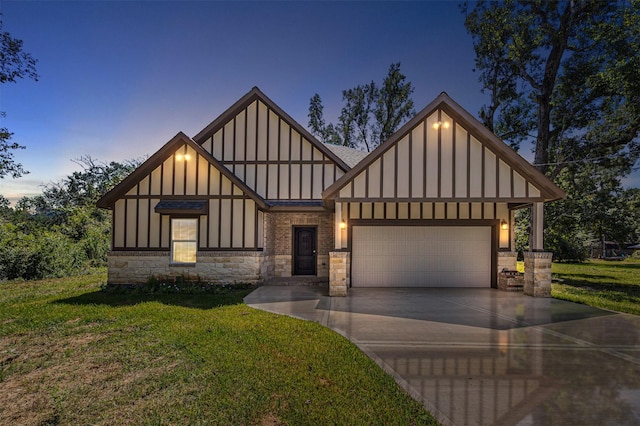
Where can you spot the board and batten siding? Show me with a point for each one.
(425, 212)
(233, 220)
(275, 160)
(436, 170)
(439, 160)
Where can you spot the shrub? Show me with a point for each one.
(37, 255)
(567, 246)
(181, 284)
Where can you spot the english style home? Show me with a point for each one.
(255, 196)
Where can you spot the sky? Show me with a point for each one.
(118, 79)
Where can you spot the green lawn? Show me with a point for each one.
(613, 285)
(71, 354)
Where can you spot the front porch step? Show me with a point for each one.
(299, 280)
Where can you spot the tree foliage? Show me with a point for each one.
(61, 231)
(15, 64)
(370, 114)
(565, 77)
(8, 166)
(563, 74)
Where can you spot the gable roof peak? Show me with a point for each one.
(472, 125)
(256, 94)
(162, 154)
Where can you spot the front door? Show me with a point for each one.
(304, 251)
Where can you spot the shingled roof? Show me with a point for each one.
(351, 156)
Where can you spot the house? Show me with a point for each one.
(255, 196)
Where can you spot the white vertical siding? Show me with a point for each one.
(231, 222)
(439, 159)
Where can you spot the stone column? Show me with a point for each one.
(507, 260)
(537, 274)
(339, 272)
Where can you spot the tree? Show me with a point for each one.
(370, 114)
(61, 231)
(85, 187)
(564, 76)
(326, 133)
(14, 64)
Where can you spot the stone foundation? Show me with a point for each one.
(219, 267)
(537, 274)
(507, 260)
(339, 272)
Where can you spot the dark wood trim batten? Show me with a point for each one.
(439, 153)
(410, 182)
(289, 163)
(424, 161)
(395, 174)
(497, 175)
(220, 212)
(267, 153)
(469, 166)
(453, 157)
(300, 168)
(511, 182)
(136, 222)
(278, 157)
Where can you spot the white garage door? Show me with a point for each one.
(421, 256)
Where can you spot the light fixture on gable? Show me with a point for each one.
(441, 124)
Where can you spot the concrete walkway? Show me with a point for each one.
(483, 357)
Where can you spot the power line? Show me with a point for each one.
(584, 160)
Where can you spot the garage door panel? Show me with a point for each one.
(421, 256)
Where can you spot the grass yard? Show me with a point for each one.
(613, 285)
(72, 354)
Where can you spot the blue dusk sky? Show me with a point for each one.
(118, 79)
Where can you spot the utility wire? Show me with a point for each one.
(584, 160)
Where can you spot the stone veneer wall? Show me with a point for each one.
(220, 267)
(537, 274)
(279, 241)
(507, 260)
(340, 273)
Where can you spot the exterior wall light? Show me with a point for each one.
(441, 124)
(185, 157)
(504, 225)
(343, 225)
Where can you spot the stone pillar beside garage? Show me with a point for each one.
(340, 258)
(340, 273)
(537, 262)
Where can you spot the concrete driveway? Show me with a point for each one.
(481, 356)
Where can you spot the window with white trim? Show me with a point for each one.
(184, 240)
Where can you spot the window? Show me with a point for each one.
(184, 241)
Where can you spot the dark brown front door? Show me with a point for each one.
(304, 251)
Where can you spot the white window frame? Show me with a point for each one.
(174, 241)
